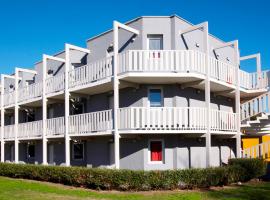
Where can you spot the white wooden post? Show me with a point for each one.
(207, 96)
(44, 112)
(2, 120)
(67, 94)
(116, 96)
(237, 100)
(207, 93)
(116, 26)
(68, 47)
(16, 108)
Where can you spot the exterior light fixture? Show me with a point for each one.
(197, 45)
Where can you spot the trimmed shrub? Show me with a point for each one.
(128, 180)
(252, 168)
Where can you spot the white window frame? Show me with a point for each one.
(77, 159)
(153, 35)
(163, 151)
(148, 96)
(28, 157)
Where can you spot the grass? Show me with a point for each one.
(25, 189)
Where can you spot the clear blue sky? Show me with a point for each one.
(30, 28)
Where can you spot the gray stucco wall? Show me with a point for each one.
(23, 156)
(180, 152)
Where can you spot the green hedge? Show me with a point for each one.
(106, 179)
(253, 168)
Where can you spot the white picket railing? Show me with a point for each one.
(55, 83)
(174, 118)
(90, 73)
(90, 122)
(55, 126)
(30, 129)
(9, 98)
(254, 80)
(261, 150)
(223, 121)
(30, 92)
(255, 106)
(162, 61)
(222, 71)
(9, 132)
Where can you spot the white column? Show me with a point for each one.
(16, 108)
(237, 100)
(116, 97)
(207, 97)
(44, 112)
(67, 94)
(2, 120)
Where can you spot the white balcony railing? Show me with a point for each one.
(261, 150)
(30, 129)
(255, 106)
(223, 121)
(90, 73)
(55, 83)
(55, 126)
(90, 122)
(254, 80)
(162, 61)
(30, 92)
(9, 98)
(174, 118)
(222, 71)
(177, 61)
(9, 132)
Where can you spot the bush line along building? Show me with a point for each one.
(154, 93)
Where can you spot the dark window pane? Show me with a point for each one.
(31, 151)
(155, 97)
(78, 151)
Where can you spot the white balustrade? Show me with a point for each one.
(254, 80)
(255, 106)
(174, 118)
(90, 122)
(162, 61)
(30, 129)
(9, 98)
(222, 71)
(55, 83)
(223, 120)
(29, 92)
(9, 132)
(55, 126)
(91, 72)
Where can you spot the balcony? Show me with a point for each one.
(174, 120)
(29, 92)
(149, 67)
(30, 130)
(186, 64)
(131, 120)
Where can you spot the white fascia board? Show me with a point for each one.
(256, 56)
(26, 70)
(227, 44)
(195, 27)
(73, 47)
(47, 57)
(125, 27)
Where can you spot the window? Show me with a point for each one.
(156, 151)
(78, 151)
(155, 97)
(155, 42)
(31, 151)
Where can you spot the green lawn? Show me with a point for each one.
(25, 189)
